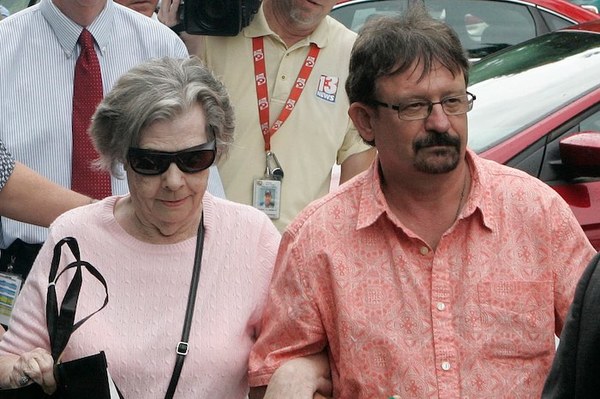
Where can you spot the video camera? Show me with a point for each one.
(217, 17)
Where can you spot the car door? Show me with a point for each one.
(541, 158)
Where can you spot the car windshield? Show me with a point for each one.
(517, 87)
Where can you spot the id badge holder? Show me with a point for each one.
(267, 196)
(266, 193)
(10, 285)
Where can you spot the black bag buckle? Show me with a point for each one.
(183, 348)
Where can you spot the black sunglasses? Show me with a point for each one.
(191, 160)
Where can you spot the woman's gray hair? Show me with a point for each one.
(159, 90)
(391, 45)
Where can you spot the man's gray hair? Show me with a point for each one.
(159, 90)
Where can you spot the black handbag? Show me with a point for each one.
(33, 391)
(81, 378)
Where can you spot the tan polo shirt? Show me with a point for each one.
(317, 134)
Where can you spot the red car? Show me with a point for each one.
(538, 110)
(484, 26)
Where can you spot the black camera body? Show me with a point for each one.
(218, 17)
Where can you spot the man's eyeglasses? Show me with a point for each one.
(191, 160)
(421, 109)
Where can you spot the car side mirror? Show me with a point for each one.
(580, 153)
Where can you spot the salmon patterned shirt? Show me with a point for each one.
(476, 318)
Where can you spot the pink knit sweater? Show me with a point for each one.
(148, 288)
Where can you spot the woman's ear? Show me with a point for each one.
(362, 117)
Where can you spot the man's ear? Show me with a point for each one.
(362, 116)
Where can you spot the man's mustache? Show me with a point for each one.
(437, 139)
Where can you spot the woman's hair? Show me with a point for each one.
(159, 90)
(389, 45)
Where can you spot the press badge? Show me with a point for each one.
(267, 191)
(10, 285)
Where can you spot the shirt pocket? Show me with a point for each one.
(517, 318)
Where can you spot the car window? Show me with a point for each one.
(591, 123)
(354, 15)
(554, 21)
(507, 24)
(483, 26)
(488, 26)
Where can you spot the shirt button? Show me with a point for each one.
(445, 366)
(282, 77)
(441, 306)
(424, 250)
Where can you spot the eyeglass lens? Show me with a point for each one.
(191, 160)
(456, 105)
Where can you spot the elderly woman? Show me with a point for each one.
(165, 122)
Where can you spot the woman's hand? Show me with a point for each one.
(168, 13)
(35, 366)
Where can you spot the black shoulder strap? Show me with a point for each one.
(182, 347)
(62, 324)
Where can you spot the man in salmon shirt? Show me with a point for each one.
(435, 273)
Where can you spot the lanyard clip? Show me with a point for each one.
(273, 170)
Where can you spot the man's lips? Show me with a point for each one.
(437, 147)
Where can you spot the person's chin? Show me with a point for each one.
(440, 160)
(143, 8)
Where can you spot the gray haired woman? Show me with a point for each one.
(163, 124)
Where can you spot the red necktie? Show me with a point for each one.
(87, 94)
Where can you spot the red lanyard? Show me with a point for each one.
(262, 94)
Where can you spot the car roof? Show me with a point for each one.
(522, 84)
(567, 8)
(563, 7)
(590, 26)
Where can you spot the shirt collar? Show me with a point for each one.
(67, 31)
(481, 200)
(372, 203)
(260, 27)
